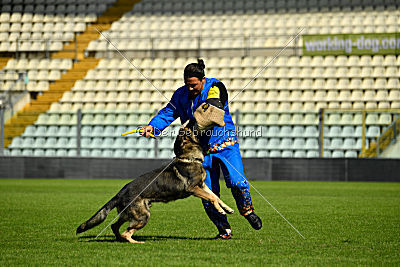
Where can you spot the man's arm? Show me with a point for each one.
(217, 95)
(211, 113)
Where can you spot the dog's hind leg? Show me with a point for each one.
(139, 217)
(115, 228)
(127, 235)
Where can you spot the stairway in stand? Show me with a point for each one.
(91, 33)
(29, 114)
(16, 125)
(4, 61)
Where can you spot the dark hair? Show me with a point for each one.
(195, 70)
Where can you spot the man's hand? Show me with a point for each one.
(147, 130)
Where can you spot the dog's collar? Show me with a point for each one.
(189, 160)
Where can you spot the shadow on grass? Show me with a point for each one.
(111, 238)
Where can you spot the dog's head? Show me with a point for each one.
(187, 143)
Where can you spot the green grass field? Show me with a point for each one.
(344, 224)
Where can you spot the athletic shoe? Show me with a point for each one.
(226, 235)
(254, 220)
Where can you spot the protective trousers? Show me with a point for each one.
(230, 161)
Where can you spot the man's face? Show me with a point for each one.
(194, 85)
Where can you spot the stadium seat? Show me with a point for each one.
(275, 154)
(372, 132)
(300, 154)
(337, 154)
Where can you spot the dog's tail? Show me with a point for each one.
(99, 217)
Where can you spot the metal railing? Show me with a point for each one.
(7, 102)
(7, 97)
(389, 136)
(364, 112)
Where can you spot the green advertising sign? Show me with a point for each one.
(351, 44)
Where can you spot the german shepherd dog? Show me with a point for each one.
(182, 178)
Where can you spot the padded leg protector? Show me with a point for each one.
(243, 200)
(220, 221)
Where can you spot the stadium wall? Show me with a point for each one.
(267, 169)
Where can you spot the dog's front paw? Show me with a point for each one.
(229, 210)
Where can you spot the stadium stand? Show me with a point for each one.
(262, 33)
(278, 112)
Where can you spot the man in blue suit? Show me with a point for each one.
(220, 143)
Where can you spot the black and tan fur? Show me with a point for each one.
(183, 178)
